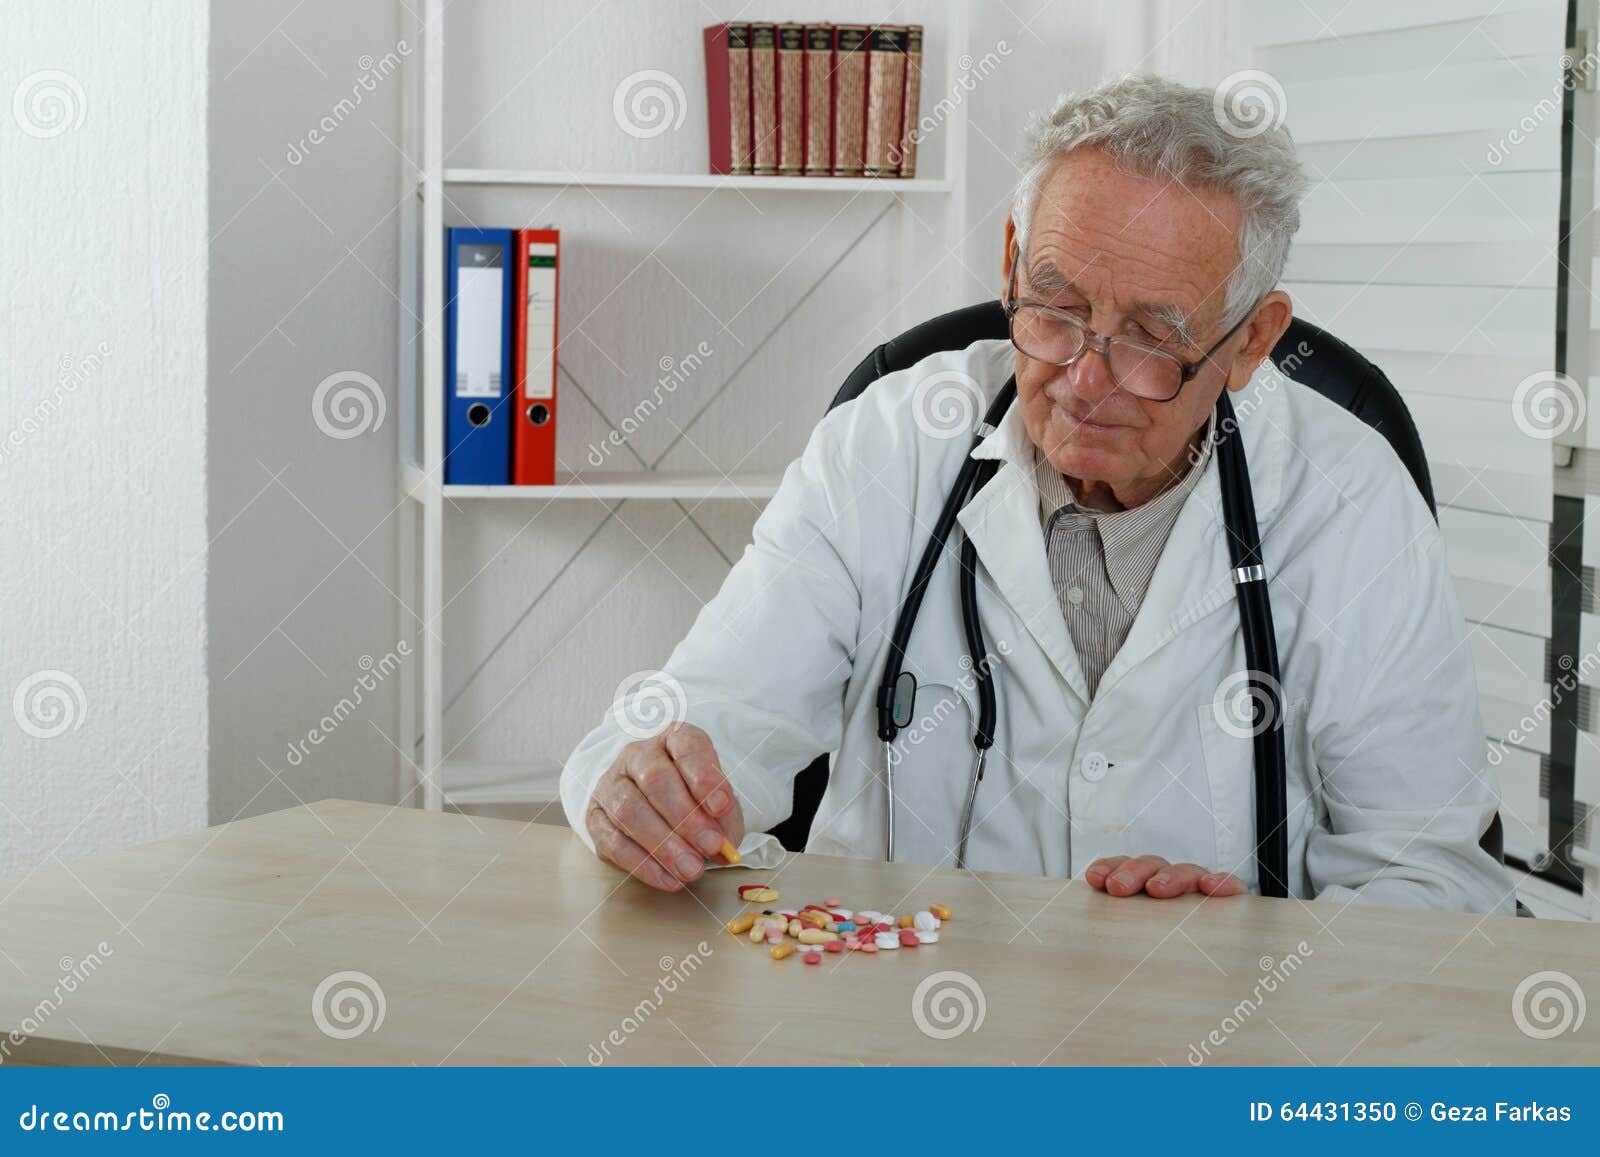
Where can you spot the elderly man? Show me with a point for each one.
(1142, 253)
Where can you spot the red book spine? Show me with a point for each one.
(764, 98)
(817, 81)
(791, 100)
(728, 96)
(535, 283)
(849, 99)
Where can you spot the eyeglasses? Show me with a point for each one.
(1059, 338)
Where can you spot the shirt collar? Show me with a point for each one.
(1131, 540)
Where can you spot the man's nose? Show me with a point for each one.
(1090, 377)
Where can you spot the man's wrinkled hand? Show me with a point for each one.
(664, 807)
(1152, 875)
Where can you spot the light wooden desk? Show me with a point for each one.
(494, 942)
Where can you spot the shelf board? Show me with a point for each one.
(476, 782)
(599, 485)
(533, 177)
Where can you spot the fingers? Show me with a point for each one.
(1154, 876)
(1095, 874)
(1222, 884)
(1132, 875)
(691, 749)
(652, 770)
(1175, 880)
(620, 852)
(632, 814)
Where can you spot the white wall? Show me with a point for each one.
(303, 260)
(102, 426)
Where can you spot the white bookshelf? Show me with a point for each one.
(531, 777)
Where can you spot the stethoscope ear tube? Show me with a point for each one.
(1261, 653)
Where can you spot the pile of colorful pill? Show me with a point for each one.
(827, 927)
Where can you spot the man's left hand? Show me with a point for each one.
(1130, 875)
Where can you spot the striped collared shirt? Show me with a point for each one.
(1101, 562)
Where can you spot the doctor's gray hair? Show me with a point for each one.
(1167, 131)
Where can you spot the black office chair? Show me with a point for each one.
(1323, 362)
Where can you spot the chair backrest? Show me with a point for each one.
(1305, 353)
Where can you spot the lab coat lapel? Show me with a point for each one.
(1002, 520)
(1194, 575)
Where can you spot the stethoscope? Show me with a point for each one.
(898, 688)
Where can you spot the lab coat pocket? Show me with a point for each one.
(1228, 744)
(932, 761)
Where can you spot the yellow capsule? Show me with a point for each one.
(940, 910)
(742, 923)
(781, 949)
(817, 936)
(794, 928)
(907, 921)
(729, 853)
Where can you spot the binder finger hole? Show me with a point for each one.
(478, 414)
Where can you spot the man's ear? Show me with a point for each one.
(1271, 319)
(1005, 258)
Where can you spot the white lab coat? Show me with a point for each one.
(1388, 784)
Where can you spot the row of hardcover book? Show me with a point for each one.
(815, 100)
(500, 357)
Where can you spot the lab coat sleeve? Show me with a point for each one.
(1403, 767)
(764, 667)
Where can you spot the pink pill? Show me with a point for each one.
(908, 938)
(812, 958)
(833, 946)
(868, 947)
(830, 903)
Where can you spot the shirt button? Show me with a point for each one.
(1075, 595)
(1093, 766)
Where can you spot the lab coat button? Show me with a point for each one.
(1093, 766)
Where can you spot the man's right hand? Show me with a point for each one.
(663, 807)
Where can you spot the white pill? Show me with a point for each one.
(924, 922)
(887, 941)
(927, 937)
